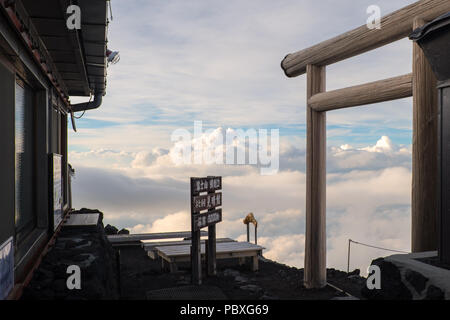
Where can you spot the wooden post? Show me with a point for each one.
(255, 263)
(444, 174)
(196, 257)
(315, 244)
(424, 153)
(348, 256)
(211, 260)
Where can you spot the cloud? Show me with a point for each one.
(183, 61)
(288, 249)
(381, 155)
(368, 198)
(121, 195)
(179, 221)
(147, 158)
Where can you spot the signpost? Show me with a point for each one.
(199, 220)
(207, 219)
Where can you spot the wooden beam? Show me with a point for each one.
(118, 238)
(378, 91)
(394, 26)
(424, 206)
(315, 244)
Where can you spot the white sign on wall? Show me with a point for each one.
(57, 190)
(6, 268)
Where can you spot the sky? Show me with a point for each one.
(218, 62)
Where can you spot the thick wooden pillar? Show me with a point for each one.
(315, 244)
(424, 153)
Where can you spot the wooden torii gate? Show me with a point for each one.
(421, 84)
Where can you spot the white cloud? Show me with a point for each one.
(381, 155)
(183, 61)
(288, 249)
(145, 159)
(384, 145)
(368, 198)
(179, 221)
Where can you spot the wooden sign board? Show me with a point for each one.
(206, 219)
(199, 203)
(208, 184)
(206, 202)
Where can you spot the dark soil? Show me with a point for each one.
(140, 274)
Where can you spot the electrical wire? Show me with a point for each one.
(367, 245)
(375, 247)
(84, 111)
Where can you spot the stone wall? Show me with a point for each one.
(86, 247)
(410, 277)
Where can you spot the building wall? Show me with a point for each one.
(7, 158)
(16, 63)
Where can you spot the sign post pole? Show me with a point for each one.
(196, 246)
(211, 252)
(204, 213)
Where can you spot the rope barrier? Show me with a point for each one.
(367, 245)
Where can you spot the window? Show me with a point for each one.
(59, 143)
(56, 130)
(25, 214)
(64, 159)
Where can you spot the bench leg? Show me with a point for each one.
(173, 267)
(255, 264)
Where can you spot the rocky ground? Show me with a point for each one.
(140, 274)
(129, 274)
(102, 278)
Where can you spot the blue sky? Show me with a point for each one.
(219, 62)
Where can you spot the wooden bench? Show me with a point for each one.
(150, 247)
(136, 239)
(224, 250)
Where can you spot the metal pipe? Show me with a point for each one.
(98, 97)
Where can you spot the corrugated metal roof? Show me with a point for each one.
(79, 55)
